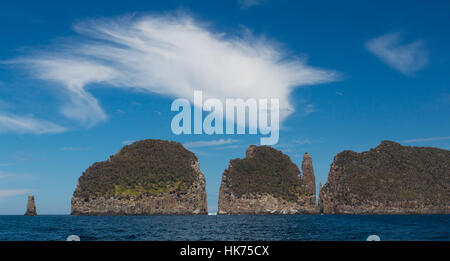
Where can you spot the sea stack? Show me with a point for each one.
(266, 181)
(389, 179)
(31, 206)
(308, 178)
(148, 177)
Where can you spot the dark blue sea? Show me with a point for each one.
(227, 228)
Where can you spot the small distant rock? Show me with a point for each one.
(31, 206)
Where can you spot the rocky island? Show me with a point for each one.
(389, 179)
(148, 177)
(266, 181)
(31, 206)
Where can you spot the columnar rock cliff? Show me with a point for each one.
(149, 177)
(31, 206)
(265, 182)
(308, 174)
(389, 179)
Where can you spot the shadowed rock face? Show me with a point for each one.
(31, 206)
(389, 179)
(308, 174)
(264, 182)
(149, 177)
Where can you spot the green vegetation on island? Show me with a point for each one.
(148, 167)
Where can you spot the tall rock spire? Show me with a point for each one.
(308, 174)
(31, 207)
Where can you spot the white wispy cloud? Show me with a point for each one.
(74, 73)
(296, 144)
(245, 4)
(229, 147)
(426, 139)
(26, 124)
(13, 192)
(309, 109)
(406, 58)
(4, 175)
(209, 143)
(5, 164)
(301, 141)
(74, 149)
(172, 55)
(15, 176)
(128, 142)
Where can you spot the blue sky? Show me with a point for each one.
(351, 76)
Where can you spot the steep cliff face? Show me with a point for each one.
(308, 174)
(149, 177)
(264, 182)
(389, 179)
(31, 206)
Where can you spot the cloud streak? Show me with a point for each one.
(245, 4)
(25, 124)
(309, 109)
(171, 55)
(426, 139)
(406, 58)
(74, 74)
(15, 176)
(74, 149)
(128, 142)
(210, 143)
(13, 192)
(301, 141)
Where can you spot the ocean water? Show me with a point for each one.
(226, 228)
